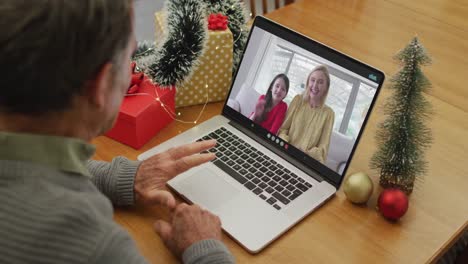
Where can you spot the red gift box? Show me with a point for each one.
(142, 116)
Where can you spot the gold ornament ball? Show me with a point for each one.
(358, 187)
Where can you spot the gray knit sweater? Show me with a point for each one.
(53, 209)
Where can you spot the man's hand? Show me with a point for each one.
(153, 173)
(189, 225)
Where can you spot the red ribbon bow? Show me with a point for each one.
(217, 22)
(137, 79)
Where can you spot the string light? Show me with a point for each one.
(168, 110)
(178, 114)
(234, 42)
(144, 53)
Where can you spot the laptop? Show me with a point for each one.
(261, 185)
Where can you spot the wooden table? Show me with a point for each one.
(371, 31)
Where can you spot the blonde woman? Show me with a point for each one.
(309, 122)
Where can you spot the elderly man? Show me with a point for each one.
(64, 67)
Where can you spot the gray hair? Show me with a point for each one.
(49, 49)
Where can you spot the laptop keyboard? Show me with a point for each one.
(256, 171)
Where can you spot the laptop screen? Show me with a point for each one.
(304, 99)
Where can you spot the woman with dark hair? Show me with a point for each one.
(270, 109)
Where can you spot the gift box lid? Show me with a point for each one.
(135, 104)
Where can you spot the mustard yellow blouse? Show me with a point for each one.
(307, 128)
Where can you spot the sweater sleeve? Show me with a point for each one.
(115, 179)
(284, 129)
(455, 251)
(116, 246)
(320, 151)
(208, 251)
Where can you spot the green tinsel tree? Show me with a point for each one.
(403, 136)
(144, 54)
(187, 33)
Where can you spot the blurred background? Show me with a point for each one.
(145, 9)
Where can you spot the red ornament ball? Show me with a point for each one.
(393, 203)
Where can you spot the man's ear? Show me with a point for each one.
(98, 88)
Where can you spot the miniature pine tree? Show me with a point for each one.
(403, 136)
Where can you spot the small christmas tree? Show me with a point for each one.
(403, 136)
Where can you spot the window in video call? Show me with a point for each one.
(301, 99)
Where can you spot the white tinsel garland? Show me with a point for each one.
(184, 43)
(174, 61)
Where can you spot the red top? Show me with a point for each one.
(275, 117)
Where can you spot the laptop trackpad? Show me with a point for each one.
(207, 189)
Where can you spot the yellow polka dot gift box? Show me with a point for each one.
(211, 78)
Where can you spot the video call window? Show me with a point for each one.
(326, 134)
(349, 97)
